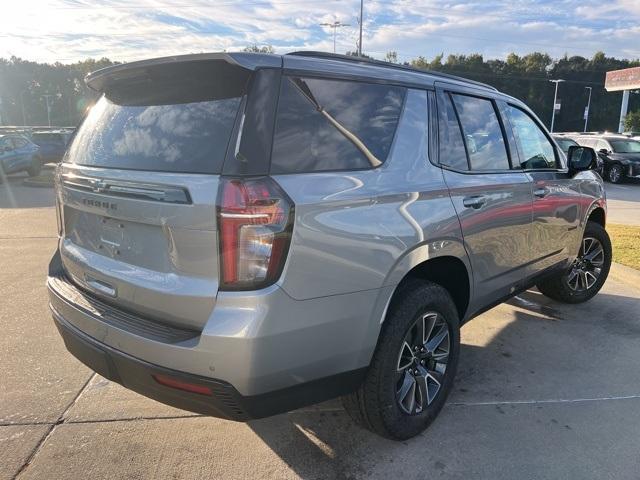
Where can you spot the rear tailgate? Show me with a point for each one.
(138, 189)
(156, 257)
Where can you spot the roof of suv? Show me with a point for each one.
(609, 136)
(299, 61)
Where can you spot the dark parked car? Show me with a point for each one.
(17, 154)
(52, 144)
(619, 154)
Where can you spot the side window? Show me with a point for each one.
(334, 125)
(452, 152)
(535, 148)
(482, 133)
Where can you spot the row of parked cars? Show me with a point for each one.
(26, 149)
(618, 154)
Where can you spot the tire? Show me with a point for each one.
(36, 166)
(615, 173)
(562, 287)
(377, 405)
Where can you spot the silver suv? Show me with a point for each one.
(242, 235)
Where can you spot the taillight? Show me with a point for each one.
(255, 220)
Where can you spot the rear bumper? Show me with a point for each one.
(252, 369)
(224, 401)
(137, 375)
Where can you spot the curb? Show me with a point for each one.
(625, 274)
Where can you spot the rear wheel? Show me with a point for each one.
(36, 166)
(587, 273)
(414, 365)
(615, 173)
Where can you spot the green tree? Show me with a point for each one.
(632, 121)
(258, 49)
(391, 57)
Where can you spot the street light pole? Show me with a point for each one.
(586, 113)
(360, 42)
(555, 98)
(335, 25)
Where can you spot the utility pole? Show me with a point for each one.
(586, 112)
(555, 98)
(335, 25)
(360, 42)
(46, 97)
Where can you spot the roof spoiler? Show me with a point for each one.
(101, 80)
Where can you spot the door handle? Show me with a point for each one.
(475, 201)
(541, 192)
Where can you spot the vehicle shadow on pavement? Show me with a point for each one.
(528, 357)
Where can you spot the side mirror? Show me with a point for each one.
(582, 158)
(603, 151)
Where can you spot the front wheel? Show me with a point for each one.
(615, 173)
(587, 273)
(414, 364)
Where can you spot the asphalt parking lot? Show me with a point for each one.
(543, 391)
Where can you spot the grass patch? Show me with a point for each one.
(626, 244)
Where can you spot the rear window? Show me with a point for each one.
(178, 121)
(334, 125)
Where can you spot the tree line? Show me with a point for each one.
(25, 86)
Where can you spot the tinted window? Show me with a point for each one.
(482, 133)
(452, 152)
(536, 150)
(625, 146)
(334, 125)
(182, 137)
(565, 143)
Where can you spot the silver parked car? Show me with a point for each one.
(242, 234)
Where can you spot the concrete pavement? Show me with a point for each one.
(624, 202)
(543, 391)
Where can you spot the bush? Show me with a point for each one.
(632, 121)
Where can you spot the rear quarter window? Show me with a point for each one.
(327, 124)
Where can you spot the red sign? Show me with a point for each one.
(626, 79)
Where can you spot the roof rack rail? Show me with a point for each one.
(380, 63)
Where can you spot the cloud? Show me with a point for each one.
(70, 30)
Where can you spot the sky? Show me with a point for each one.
(70, 30)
